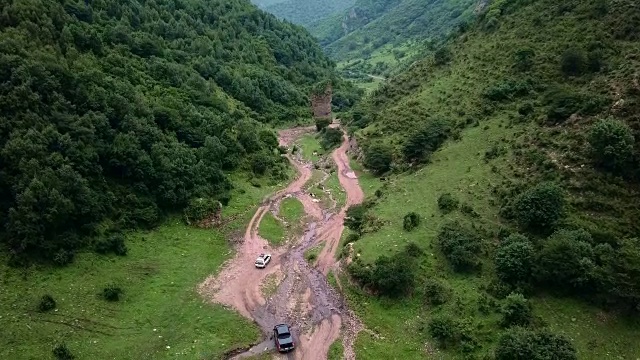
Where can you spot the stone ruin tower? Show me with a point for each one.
(321, 104)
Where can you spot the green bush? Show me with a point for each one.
(460, 246)
(540, 208)
(447, 203)
(450, 332)
(200, 208)
(47, 303)
(516, 311)
(514, 259)
(112, 293)
(566, 261)
(426, 140)
(355, 218)
(62, 352)
(442, 56)
(331, 138)
(321, 124)
(378, 158)
(562, 104)
(113, 243)
(411, 221)
(508, 90)
(611, 143)
(522, 344)
(523, 59)
(436, 292)
(573, 62)
(443, 328)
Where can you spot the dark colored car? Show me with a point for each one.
(283, 338)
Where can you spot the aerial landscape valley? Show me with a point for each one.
(320, 179)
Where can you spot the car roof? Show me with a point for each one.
(282, 328)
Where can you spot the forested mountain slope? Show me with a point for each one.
(306, 12)
(511, 161)
(372, 24)
(114, 113)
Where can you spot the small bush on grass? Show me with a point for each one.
(113, 243)
(47, 303)
(447, 203)
(514, 259)
(460, 246)
(436, 292)
(112, 293)
(411, 221)
(516, 311)
(522, 344)
(62, 352)
(450, 332)
(540, 208)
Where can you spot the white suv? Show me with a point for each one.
(263, 260)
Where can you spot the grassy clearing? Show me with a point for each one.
(459, 169)
(309, 144)
(271, 229)
(337, 192)
(368, 182)
(160, 313)
(159, 316)
(336, 350)
(291, 210)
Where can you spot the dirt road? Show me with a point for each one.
(302, 298)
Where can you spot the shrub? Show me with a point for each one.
(566, 261)
(61, 352)
(426, 140)
(47, 303)
(522, 344)
(200, 208)
(540, 208)
(331, 138)
(392, 276)
(526, 109)
(353, 237)
(562, 104)
(516, 311)
(447, 203)
(378, 158)
(611, 142)
(450, 332)
(573, 62)
(443, 329)
(355, 218)
(442, 56)
(63, 257)
(436, 292)
(411, 221)
(523, 59)
(112, 293)
(514, 259)
(260, 163)
(460, 246)
(113, 243)
(507, 90)
(321, 124)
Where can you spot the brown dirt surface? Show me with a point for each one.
(303, 298)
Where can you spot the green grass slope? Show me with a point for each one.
(160, 315)
(518, 113)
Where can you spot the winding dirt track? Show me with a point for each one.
(303, 298)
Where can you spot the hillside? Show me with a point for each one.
(115, 114)
(511, 166)
(370, 27)
(307, 12)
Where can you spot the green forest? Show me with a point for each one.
(117, 113)
(307, 12)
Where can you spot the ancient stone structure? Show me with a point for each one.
(321, 104)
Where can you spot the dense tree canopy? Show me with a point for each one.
(116, 112)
